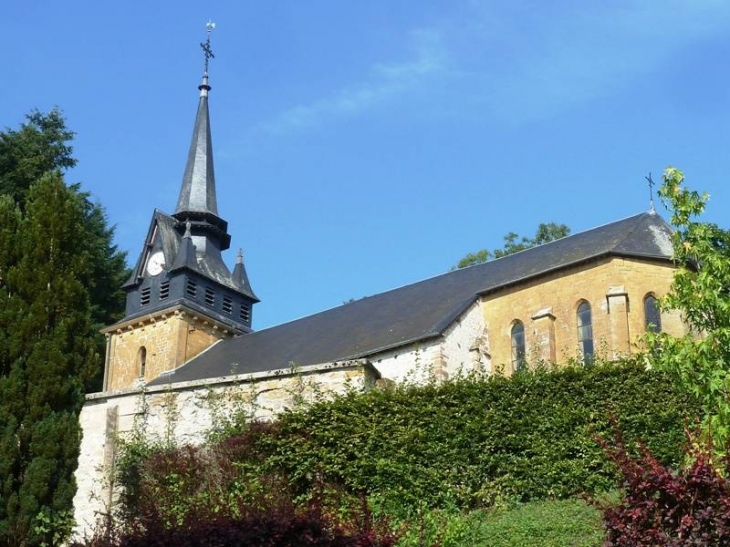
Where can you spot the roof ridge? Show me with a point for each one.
(449, 273)
(541, 245)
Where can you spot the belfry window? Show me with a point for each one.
(585, 332)
(145, 296)
(227, 304)
(517, 335)
(191, 288)
(245, 313)
(142, 361)
(652, 314)
(164, 290)
(209, 297)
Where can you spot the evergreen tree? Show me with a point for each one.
(43, 145)
(60, 275)
(46, 355)
(40, 146)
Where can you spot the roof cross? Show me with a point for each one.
(207, 51)
(651, 193)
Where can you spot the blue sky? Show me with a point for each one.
(361, 146)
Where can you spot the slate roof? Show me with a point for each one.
(418, 311)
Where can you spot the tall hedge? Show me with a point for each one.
(462, 444)
(470, 442)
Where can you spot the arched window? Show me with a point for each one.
(142, 361)
(652, 315)
(518, 346)
(585, 331)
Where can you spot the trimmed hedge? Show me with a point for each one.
(463, 444)
(472, 442)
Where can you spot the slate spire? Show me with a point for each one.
(197, 202)
(197, 193)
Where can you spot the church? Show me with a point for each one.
(187, 335)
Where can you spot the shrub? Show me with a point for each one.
(663, 507)
(198, 496)
(257, 529)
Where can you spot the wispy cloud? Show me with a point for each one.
(521, 60)
(570, 54)
(384, 82)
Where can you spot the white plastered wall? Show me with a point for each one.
(461, 349)
(184, 413)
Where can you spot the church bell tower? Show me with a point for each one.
(181, 296)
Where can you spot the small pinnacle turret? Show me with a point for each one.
(240, 277)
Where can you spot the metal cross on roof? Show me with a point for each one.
(651, 192)
(207, 51)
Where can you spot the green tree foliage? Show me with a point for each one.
(513, 243)
(469, 443)
(700, 361)
(40, 146)
(47, 353)
(43, 145)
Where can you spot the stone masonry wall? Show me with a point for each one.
(465, 346)
(615, 289)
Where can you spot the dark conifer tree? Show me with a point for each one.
(43, 145)
(48, 354)
(59, 283)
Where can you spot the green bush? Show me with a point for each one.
(553, 523)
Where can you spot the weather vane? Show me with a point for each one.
(206, 45)
(651, 192)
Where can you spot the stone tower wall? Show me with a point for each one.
(170, 339)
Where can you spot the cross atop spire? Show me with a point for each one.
(207, 51)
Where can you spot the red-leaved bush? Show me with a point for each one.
(666, 507)
(216, 496)
(264, 528)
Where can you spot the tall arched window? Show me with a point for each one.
(652, 315)
(518, 346)
(142, 361)
(585, 331)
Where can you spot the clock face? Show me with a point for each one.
(156, 263)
